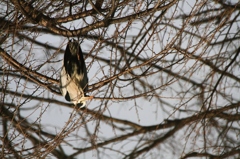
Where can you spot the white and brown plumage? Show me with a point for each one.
(73, 79)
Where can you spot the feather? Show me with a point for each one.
(73, 78)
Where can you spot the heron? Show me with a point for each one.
(73, 78)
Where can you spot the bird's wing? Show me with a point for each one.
(70, 90)
(63, 84)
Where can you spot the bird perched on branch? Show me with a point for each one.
(73, 79)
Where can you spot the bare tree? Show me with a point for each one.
(164, 75)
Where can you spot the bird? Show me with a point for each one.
(73, 77)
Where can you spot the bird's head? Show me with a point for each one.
(82, 101)
(82, 104)
(73, 46)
